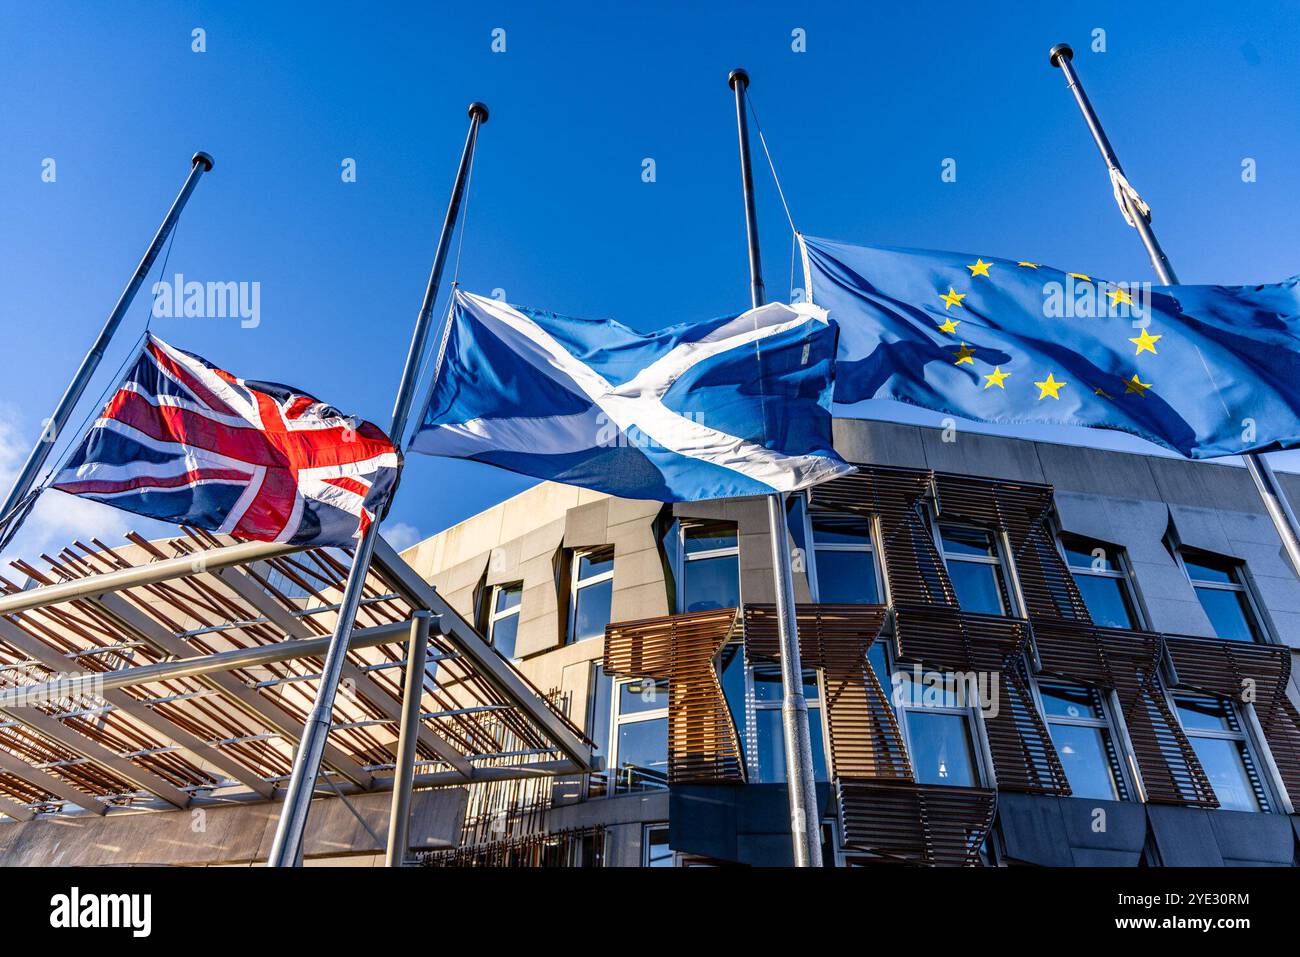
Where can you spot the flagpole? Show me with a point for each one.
(800, 776)
(1270, 490)
(286, 851)
(200, 163)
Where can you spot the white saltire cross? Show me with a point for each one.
(637, 403)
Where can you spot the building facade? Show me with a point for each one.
(1015, 652)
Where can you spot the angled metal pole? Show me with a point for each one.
(399, 816)
(200, 163)
(286, 851)
(800, 775)
(1270, 491)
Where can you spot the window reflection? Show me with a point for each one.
(941, 748)
(592, 594)
(1220, 587)
(1098, 573)
(1080, 729)
(710, 567)
(1216, 734)
(973, 568)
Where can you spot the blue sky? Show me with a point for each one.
(559, 215)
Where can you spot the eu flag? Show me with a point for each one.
(1202, 370)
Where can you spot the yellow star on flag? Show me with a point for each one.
(980, 268)
(1079, 275)
(1049, 386)
(997, 378)
(953, 298)
(950, 326)
(964, 355)
(1118, 295)
(1146, 343)
(1102, 392)
(1027, 265)
(1136, 385)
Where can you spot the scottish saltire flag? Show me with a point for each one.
(732, 406)
(1203, 370)
(182, 441)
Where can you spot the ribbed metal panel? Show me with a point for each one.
(682, 649)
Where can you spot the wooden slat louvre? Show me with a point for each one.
(865, 740)
(1247, 672)
(915, 823)
(949, 640)
(1023, 511)
(1129, 662)
(913, 566)
(682, 650)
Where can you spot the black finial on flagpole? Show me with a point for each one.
(737, 75)
(479, 108)
(1062, 51)
(204, 158)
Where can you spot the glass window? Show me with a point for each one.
(642, 755)
(703, 537)
(767, 684)
(288, 587)
(639, 759)
(770, 750)
(598, 716)
(754, 697)
(503, 625)
(935, 716)
(974, 568)
(1209, 570)
(941, 749)
(1215, 731)
(1225, 765)
(592, 595)
(710, 567)
(766, 754)
(843, 566)
(1077, 720)
(657, 853)
(1099, 574)
(1221, 588)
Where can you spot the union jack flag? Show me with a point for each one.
(183, 441)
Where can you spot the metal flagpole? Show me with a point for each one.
(286, 851)
(804, 816)
(200, 163)
(1137, 213)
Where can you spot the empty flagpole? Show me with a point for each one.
(800, 777)
(286, 851)
(1270, 491)
(200, 163)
